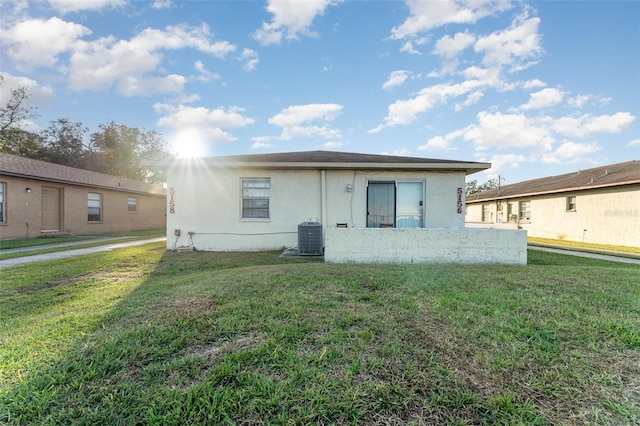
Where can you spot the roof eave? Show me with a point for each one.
(466, 167)
(161, 193)
(554, 191)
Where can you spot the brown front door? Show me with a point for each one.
(51, 202)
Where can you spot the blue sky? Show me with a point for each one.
(536, 88)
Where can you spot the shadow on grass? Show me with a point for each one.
(193, 338)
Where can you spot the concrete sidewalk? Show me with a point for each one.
(568, 251)
(73, 252)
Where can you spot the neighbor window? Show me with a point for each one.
(3, 208)
(571, 203)
(395, 205)
(94, 207)
(255, 198)
(486, 213)
(525, 211)
(132, 205)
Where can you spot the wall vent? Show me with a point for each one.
(310, 241)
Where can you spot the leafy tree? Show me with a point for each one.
(16, 109)
(65, 143)
(20, 142)
(127, 151)
(472, 187)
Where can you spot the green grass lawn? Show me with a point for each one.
(141, 335)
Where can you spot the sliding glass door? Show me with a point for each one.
(395, 205)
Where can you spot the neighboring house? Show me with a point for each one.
(39, 198)
(599, 205)
(357, 207)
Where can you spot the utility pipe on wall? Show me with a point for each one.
(323, 200)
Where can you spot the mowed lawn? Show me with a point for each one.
(145, 336)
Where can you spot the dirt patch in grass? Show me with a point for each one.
(214, 350)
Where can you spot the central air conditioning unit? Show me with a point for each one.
(310, 242)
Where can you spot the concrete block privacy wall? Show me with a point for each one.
(461, 246)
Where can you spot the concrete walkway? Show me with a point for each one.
(72, 252)
(109, 247)
(585, 254)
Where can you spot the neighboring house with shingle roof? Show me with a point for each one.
(39, 198)
(599, 205)
(354, 207)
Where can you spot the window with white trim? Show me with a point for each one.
(571, 204)
(94, 207)
(132, 205)
(3, 204)
(525, 211)
(255, 198)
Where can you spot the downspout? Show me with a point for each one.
(323, 200)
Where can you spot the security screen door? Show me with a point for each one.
(395, 205)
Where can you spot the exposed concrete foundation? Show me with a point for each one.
(462, 246)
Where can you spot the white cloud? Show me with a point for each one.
(437, 143)
(99, 64)
(162, 4)
(472, 99)
(292, 118)
(290, 19)
(208, 123)
(533, 84)
(497, 130)
(635, 142)
(404, 112)
(578, 101)
(503, 161)
(587, 124)
(450, 47)
(38, 95)
(205, 75)
(298, 114)
(147, 86)
(261, 142)
(569, 152)
(515, 46)
(67, 6)
(333, 145)
(427, 15)
(38, 42)
(251, 59)
(543, 99)
(396, 78)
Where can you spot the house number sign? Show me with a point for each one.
(459, 200)
(172, 202)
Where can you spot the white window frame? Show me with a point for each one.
(250, 194)
(571, 203)
(524, 218)
(134, 204)
(3, 202)
(99, 203)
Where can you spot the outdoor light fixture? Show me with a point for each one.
(28, 190)
(348, 187)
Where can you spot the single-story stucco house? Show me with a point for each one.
(39, 198)
(353, 207)
(600, 205)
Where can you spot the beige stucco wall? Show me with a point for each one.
(602, 216)
(24, 218)
(208, 204)
(464, 246)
